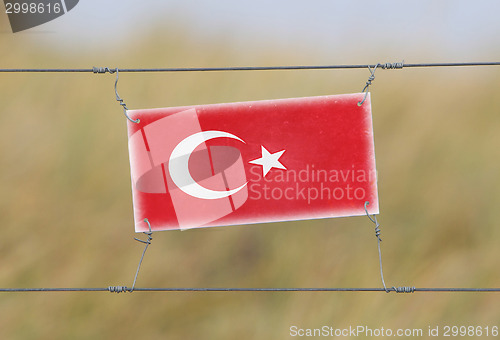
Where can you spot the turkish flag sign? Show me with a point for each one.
(252, 162)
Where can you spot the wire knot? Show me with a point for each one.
(403, 289)
(374, 220)
(378, 232)
(148, 241)
(103, 70)
(368, 83)
(392, 66)
(118, 289)
(148, 233)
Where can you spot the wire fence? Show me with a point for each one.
(371, 67)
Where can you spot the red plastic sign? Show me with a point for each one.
(252, 162)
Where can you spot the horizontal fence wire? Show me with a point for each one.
(248, 68)
(120, 289)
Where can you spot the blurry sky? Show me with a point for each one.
(424, 30)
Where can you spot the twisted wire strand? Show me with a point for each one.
(392, 66)
(123, 289)
(118, 289)
(118, 99)
(379, 239)
(147, 243)
(368, 83)
(404, 289)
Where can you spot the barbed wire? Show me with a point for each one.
(398, 65)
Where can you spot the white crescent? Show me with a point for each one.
(178, 166)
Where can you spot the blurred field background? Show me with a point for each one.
(66, 209)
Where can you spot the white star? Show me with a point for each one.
(269, 160)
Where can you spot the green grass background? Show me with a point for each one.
(66, 209)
